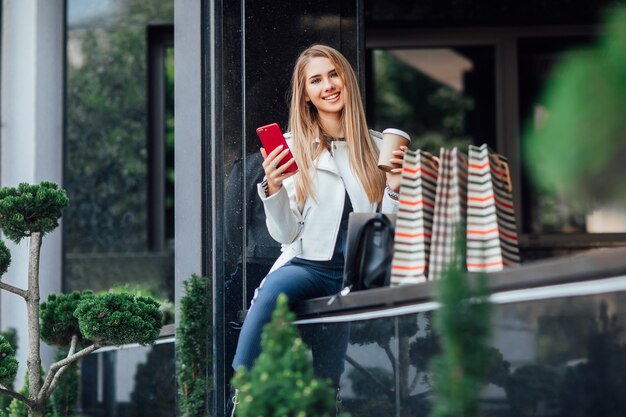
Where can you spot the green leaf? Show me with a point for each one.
(119, 318)
(31, 208)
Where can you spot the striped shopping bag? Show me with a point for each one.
(450, 209)
(491, 228)
(415, 218)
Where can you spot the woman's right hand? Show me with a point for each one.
(275, 174)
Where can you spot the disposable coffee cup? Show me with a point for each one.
(392, 140)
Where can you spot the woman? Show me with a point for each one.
(307, 211)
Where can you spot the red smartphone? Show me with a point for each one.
(271, 136)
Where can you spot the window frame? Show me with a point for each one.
(504, 40)
(159, 38)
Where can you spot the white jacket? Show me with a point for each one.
(311, 233)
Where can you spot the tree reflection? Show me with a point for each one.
(597, 386)
(408, 350)
(106, 156)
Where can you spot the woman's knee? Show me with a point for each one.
(265, 298)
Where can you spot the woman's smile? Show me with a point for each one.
(324, 87)
(332, 97)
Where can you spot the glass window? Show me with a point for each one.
(129, 382)
(109, 148)
(440, 96)
(118, 228)
(564, 356)
(549, 212)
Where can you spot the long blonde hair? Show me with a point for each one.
(305, 128)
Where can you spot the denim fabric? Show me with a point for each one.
(299, 280)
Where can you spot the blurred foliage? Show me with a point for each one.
(8, 363)
(530, 388)
(281, 382)
(30, 208)
(374, 391)
(596, 386)
(432, 113)
(19, 409)
(106, 156)
(57, 321)
(425, 346)
(591, 384)
(166, 306)
(65, 395)
(372, 384)
(10, 335)
(5, 258)
(362, 333)
(581, 147)
(559, 336)
(463, 325)
(118, 319)
(193, 356)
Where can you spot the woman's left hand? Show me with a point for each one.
(393, 177)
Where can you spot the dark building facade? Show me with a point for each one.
(145, 111)
(492, 60)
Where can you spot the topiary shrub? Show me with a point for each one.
(8, 363)
(118, 319)
(5, 258)
(10, 335)
(192, 355)
(167, 307)
(57, 321)
(31, 211)
(65, 395)
(31, 208)
(281, 382)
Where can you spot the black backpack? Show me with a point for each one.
(370, 262)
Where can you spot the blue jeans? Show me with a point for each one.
(299, 280)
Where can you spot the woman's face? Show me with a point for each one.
(324, 88)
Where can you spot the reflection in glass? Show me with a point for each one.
(106, 159)
(560, 357)
(441, 96)
(551, 212)
(245, 272)
(130, 382)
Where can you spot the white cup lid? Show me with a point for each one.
(397, 132)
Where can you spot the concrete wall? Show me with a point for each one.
(31, 136)
(188, 128)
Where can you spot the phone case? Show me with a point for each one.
(271, 136)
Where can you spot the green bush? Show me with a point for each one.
(57, 320)
(5, 258)
(167, 307)
(118, 319)
(192, 355)
(30, 208)
(19, 409)
(281, 382)
(462, 322)
(10, 335)
(65, 395)
(8, 363)
(580, 149)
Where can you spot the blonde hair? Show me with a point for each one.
(305, 127)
